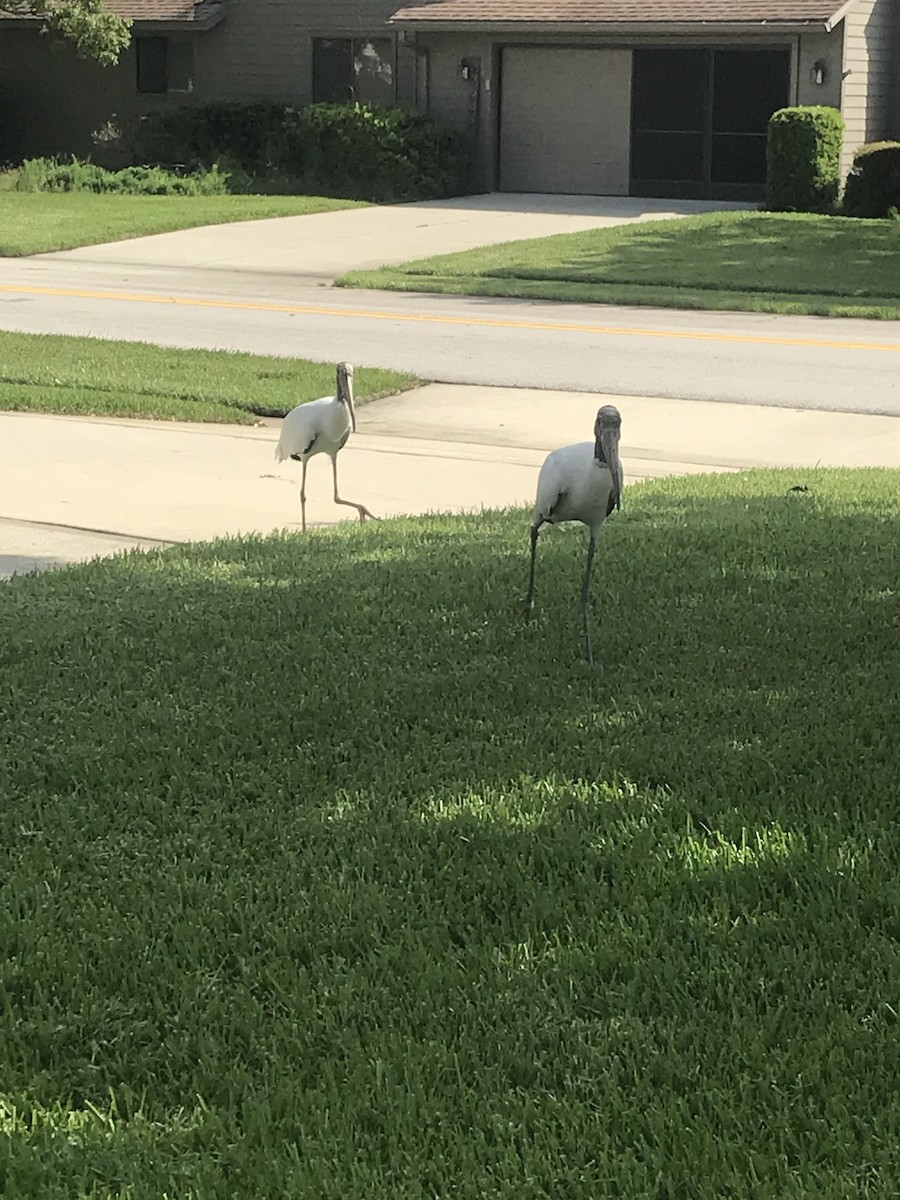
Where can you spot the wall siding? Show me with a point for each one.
(829, 49)
(450, 97)
(870, 65)
(51, 102)
(263, 48)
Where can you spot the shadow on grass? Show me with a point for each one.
(765, 254)
(315, 829)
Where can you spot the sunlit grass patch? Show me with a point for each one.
(747, 261)
(42, 222)
(324, 874)
(90, 377)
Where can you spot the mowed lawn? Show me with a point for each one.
(88, 377)
(40, 222)
(323, 875)
(754, 262)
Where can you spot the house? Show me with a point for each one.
(649, 97)
(615, 97)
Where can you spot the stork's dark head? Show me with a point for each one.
(345, 390)
(607, 428)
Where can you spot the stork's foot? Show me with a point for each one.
(364, 512)
(527, 610)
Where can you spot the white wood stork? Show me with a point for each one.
(321, 427)
(583, 483)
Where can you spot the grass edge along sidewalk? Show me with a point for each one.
(80, 376)
(44, 222)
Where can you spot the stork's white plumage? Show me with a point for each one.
(582, 482)
(321, 427)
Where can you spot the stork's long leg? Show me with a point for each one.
(303, 496)
(585, 595)
(360, 508)
(529, 599)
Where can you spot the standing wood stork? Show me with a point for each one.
(321, 427)
(583, 483)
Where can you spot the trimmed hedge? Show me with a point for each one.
(353, 151)
(803, 159)
(873, 185)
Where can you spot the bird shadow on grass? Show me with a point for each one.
(328, 829)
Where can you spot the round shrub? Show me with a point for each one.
(873, 185)
(803, 159)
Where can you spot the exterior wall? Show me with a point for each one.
(871, 62)
(468, 103)
(52, 102)
(263, 48)
(827, 48)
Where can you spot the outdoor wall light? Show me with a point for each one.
(817, 74)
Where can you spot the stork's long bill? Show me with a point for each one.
(607, 428)
(345, 390)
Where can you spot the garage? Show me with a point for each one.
(699, 119)
(565, 117)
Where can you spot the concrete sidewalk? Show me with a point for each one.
(72, 488)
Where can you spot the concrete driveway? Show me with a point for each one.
(319, 247)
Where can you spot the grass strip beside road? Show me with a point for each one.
(41, 222)
(744, 261)
(325, 875)
(88, 377)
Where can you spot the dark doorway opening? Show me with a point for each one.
(699, 119)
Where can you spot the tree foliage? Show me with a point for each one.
(95, 32)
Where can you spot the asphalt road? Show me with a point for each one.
(796, 362)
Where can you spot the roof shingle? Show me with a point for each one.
(159, 10)
(622, 12)
(190, 12)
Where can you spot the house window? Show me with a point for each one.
(353, 69)
(164, 64)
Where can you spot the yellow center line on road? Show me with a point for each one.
(436, 319)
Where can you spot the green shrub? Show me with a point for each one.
(365, 153)
(354, 151)
(873, 185)
(50, 175)
(803, 159)
(196, 136)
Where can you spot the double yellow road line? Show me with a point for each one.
(437, 319)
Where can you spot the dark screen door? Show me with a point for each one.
(699, 119)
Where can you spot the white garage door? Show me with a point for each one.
(565, 120)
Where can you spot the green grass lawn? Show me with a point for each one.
(753, 262)
(86, 376)
(323, 875)
(38, 222)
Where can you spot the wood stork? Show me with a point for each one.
(583, 483)
(321, 427)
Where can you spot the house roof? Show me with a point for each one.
(622, 12)
(189, 11)
(193, 14)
